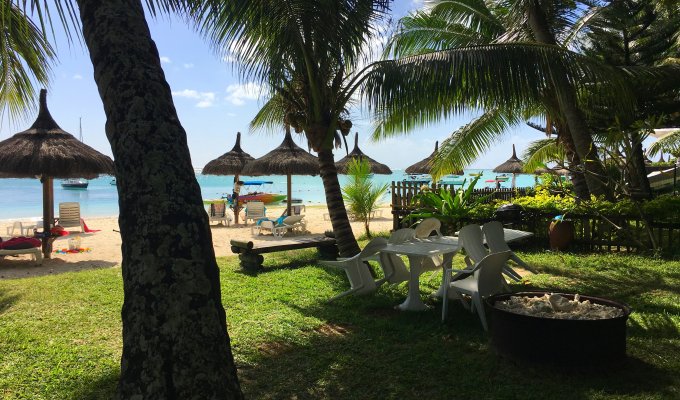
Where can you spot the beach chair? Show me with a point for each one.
(218, 213)
(279, 227)
(486, 280)
(297, 209)
(495, 239)
(425, 228)
(360, 279)
(255, 210)
(69, 216)
(16, 226)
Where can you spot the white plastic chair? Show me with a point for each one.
(495, 239)
(360, 279)
(255, 210)
(392, 265)
(69, 216)
(484, 281)
(471, 239)
(425, 228)
(15, 226)
(218, 213)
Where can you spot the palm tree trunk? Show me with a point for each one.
(347, 244)
(175, 341)
(578, 178)
(595, 175)
(637, 170)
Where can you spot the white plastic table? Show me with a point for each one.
(416, 251)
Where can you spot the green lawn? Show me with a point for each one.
(60, 335)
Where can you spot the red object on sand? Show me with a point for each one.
(88, 230)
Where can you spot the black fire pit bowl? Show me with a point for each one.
(558, 341)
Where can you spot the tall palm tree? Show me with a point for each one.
(25, 56)
(642, 35)
(499, 32)
(308, 54)
(175, 340)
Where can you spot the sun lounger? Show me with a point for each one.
(34, 251)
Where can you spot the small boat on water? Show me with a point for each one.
(74, 183)
(113, 182)
(259, 195)
(475, 174)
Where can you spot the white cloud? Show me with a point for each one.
(188, 65)
(77, 76)
(238, 94)
(165, 60)
(205, 99)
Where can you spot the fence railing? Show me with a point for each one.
(592, 232)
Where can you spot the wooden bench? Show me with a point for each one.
(251, 256)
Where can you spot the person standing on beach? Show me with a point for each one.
(234, 196)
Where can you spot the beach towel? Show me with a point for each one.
(19, 243)
(88, 230)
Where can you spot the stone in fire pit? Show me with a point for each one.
(544, 327)
(557, 306)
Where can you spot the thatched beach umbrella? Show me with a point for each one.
(424, 166)
(356, 153)
(230, 163)
(287, 159)
(513, 166)
(46, 151)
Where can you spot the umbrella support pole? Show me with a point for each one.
(289, 193)
(237, 209)
(48, 215)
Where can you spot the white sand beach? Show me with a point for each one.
(105, 245)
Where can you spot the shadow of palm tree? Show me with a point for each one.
(366, 350)
(7, 300)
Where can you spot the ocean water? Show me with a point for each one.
(22, 198)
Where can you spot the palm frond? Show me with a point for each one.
(418, 90)
(25, 57)
(542, 152)
(466, 144)
(667, 144)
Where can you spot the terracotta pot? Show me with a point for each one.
(561, 234)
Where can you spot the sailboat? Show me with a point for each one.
(76, 183)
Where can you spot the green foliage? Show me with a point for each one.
(444, 205)
(361, 194)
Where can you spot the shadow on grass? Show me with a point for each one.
(104, 387)
(7, 300)
(366, 350)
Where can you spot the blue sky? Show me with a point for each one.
(213, 104)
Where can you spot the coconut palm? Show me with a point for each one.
(175, 341)
(474, 34)
(25, 57)
(308, 54)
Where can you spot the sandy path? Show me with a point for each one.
(105, 245)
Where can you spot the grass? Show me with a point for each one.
(60, 335)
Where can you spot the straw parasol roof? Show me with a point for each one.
(424, 166)
(513, 166)
(229, 163)
(356, 153)
(287, 159)
(46, 151)
(555, 171)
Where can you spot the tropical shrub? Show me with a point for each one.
(445, 205)
(361, 195)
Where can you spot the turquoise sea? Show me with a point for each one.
(22, 198)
